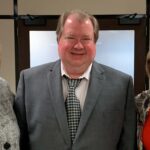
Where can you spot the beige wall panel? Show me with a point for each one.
(6, 7)
(54, 7)
(7, 69)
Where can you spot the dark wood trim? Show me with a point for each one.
(15, 10)
(6, 17)
(147, 37)
(141, 27)
(107, 23)
(27, 16)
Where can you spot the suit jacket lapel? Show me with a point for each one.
(55, 88)
(94, 90)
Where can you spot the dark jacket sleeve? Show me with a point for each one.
(128, 136)
(20, 110)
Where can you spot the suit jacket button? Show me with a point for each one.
(7, 145)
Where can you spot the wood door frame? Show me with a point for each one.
(106, 23)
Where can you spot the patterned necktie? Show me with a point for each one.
(73, 109)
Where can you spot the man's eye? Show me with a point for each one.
(70, 38)
(86, 39)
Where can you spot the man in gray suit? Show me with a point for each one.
(107, 120)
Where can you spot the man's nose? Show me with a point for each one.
(78, 44)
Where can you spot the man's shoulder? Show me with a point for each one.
(109, 70)
(40, 68)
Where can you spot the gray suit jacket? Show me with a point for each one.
(9, 130)
(108, 119)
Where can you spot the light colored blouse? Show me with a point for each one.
(81, 90)
(9, 130)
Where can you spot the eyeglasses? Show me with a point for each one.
(75, 40)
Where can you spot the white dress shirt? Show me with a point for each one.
(81, 90)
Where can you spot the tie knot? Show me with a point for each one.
(73, 82)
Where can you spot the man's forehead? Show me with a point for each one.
(75, 17)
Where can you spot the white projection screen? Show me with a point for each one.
(115, 48)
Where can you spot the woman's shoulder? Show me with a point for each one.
(5, 91)
(143, 95)
(3, 83)
(142, 100)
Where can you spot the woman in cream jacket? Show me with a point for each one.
(9, 130)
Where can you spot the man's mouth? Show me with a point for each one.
(77, 53)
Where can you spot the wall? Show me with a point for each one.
(53, 7)
(7, 69)
(92, 6)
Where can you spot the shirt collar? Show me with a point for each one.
(85, 75)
